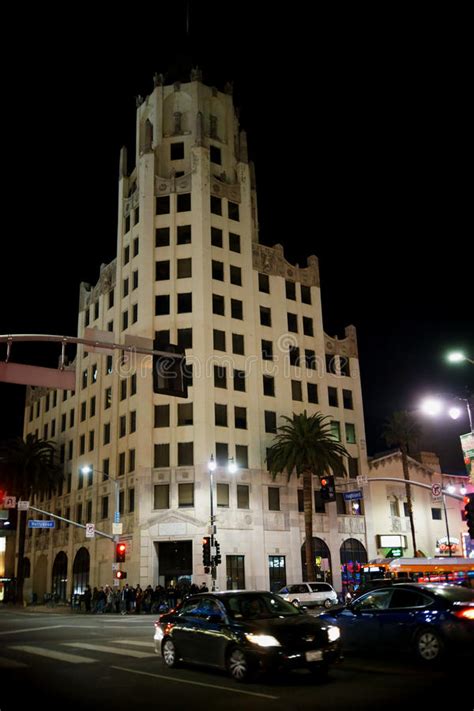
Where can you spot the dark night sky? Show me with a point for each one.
(362, 139)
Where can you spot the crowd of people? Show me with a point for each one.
(134, 600)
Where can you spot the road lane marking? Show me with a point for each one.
(59, 656)
(232, 689)
(135, 642)
(108, 650)
(33, 629)
(6, 663)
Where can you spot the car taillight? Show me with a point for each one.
(466, 614)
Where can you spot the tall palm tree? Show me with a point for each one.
(403, 430)
(305, 445)
(30, 468)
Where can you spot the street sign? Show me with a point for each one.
(33, 523)
(436, 491)
(23, 505)
(362, 480)
(9, 502)
(90, 530)
(353, 495)
(117, 529)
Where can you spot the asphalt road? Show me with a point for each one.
(107, 662)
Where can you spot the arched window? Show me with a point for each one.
(321, 558)
(59, 576)
(80, 571)
(353, 557)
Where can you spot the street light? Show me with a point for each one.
(86, 469)
(458, 357)
(434, 406)
(232, 468)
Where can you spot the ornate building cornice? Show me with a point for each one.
(167, 186)
(221, 188)
(89, 295)
(271, 260)
(344, 347)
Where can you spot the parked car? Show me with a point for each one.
(310, 594)
(428, 619)
(245, 632)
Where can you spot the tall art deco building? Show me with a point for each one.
(190, 271)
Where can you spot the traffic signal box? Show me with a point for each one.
(328, 488)
(120, 551)
(120, 574)
(468, 514)
(206, 551)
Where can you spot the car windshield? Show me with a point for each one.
(252, 607)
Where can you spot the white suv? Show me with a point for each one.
(309, 594)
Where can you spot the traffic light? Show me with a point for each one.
(120, 574)
(206, 551)
(469, 513)
(218, 553)
(120, 551)
(328, 488)
(169, 372)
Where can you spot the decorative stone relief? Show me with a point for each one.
(345, 347)
(225, 190)
(271, 260)
(167, 186)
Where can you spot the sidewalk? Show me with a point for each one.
(57, 609)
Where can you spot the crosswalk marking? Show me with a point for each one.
(135, 642)
(108, 650)
(6, 663)
(51, 654)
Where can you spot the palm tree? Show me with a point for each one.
(403, 430)
(306, 445)
(30, 468)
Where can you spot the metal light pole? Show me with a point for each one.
(447, 526)
(87, 470)
(211, 467)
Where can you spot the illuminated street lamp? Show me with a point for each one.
(434, 406)
(86, 469)
(458, 357)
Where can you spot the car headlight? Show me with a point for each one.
(333, 633)
(263, 640)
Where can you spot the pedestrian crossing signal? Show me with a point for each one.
(120, 574)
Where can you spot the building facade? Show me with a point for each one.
(190, 271)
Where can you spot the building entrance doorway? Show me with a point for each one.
(175, 562)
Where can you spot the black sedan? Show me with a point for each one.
(246, 632)
(427, 619)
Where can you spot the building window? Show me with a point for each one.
(292, 321)
(243, 496)
(290, 290)
(123, 426)
(265, 316)
(235, 570)
(185, 337)
(394, 509)
(125, 287)
(353, 467)
(183, 234)
(310, 359)
(134, 313)
(107, 398)
(126, 255)
(162, 456)
(162, 415)
(185, 303)
(238, 344)
(336, 430)
(350, 433)
(234, 242)
(215, 154)
(121, 502)
(216, 205)
(161, 496)
(131, 500)
(183, 202)
(177, 151)
(185, 414)
(163, 205)
(269, 385)
(92, 407)
(294, 353)
(133, 384)
(84, 385)
(235, 275)
(305, 294)
(312, 392)
(237, 309)
(124, 320)
(185, 454)
(105, 507)
(270, 422)
(331, 364)
(106, 433)
(83, 412)
(220, 377)
(162, 237)
(162, 270)
(222, 491)
(63, 423)
(216, 237)
(406, 510)
(217, 270)
(239, 380)
(162, 305)
(347, 399)
(240, 414)
(296, 390)
(121, 464)
(123, 389)
(340, 504)
(436, 514)
(185, 495)
(242, 456)
(82, 444)
(184, 268)
(344, 366)
(267, 350)
(264, 283)
(319, 506)
(220, 415)
(222, 454)
(308, 326)
(219, 340)
(273, 498)
(136, 244)
(233, 211)
(332, 397)
(111, 298)
(277, 572)
(218, 305)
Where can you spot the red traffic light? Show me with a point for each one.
(120, 551)
(324, 482)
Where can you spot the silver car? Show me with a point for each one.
(310, 594)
